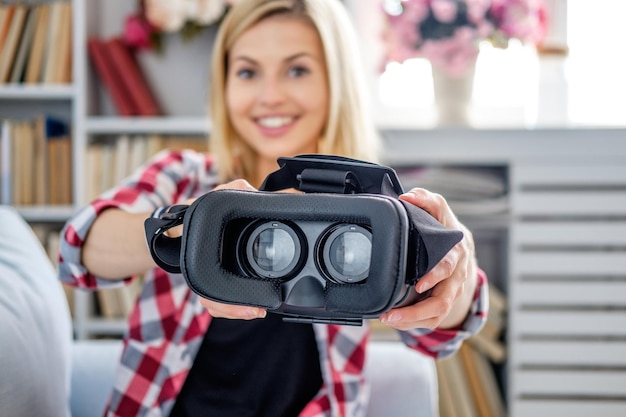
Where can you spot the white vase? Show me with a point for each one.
(453, 95)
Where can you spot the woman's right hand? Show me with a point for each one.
(239, 184)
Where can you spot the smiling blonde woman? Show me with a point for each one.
(285, 79)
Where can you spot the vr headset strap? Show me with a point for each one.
(332, 174)
(165, 250)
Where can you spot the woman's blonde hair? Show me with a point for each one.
(349, 130)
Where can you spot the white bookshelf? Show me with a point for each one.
(36, 92)
(138, 125)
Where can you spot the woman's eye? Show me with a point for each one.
(298, 71)
(245, 73)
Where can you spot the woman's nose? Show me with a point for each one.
(272, 92)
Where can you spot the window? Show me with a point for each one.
(514, 87)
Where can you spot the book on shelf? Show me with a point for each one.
(19, 66)
(40, 157)
(53, 40)
(138, 152)
(59, 160)
(12, 40)
(110, 78)
(447, 407)
(21, 139)
(34, 65)
(93, 162)
(36, 162)
(59, 64)
(133, 78)
(482, 382)
(6, 13)
(452, 371)
(5, 162)
(123, 78)
(60, 163)
(36, 42)
(110, 161)
(121, 162)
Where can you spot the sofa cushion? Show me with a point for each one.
(35, 326)
(403, 381)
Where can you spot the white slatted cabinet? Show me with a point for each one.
(567, 327)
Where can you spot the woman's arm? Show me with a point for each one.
(116, 246)
(104, 242)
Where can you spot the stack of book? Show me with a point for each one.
(468, 383)
(35, 162)
(36, 43)
(110, 160)
(122, 77)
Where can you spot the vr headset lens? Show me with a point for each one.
(273, 249)
(347, 253)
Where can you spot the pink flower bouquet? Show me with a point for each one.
(143, 30)
(448, 32)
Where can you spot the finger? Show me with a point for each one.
(433, 203)
(239, 184)
(424, 315)
(231, 311)
(428, 313)
(441, 271)
(427, 200)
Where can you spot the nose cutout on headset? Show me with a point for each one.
(307, 292)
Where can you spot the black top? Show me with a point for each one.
(257, 368)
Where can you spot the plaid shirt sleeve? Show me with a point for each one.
(438, 343)
(168, 178)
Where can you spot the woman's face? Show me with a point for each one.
(277, 88)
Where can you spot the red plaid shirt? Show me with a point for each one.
(167, 323)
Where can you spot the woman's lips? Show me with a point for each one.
(275, 125)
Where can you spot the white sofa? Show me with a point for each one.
(44, 372)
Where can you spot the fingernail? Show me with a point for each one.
(421, 287)
(393, 317)
(254, 313)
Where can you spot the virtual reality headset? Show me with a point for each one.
(344, 249)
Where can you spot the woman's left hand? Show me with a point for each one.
(453, 280)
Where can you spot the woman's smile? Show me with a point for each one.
(274, 126)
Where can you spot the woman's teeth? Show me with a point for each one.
(274, 122)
